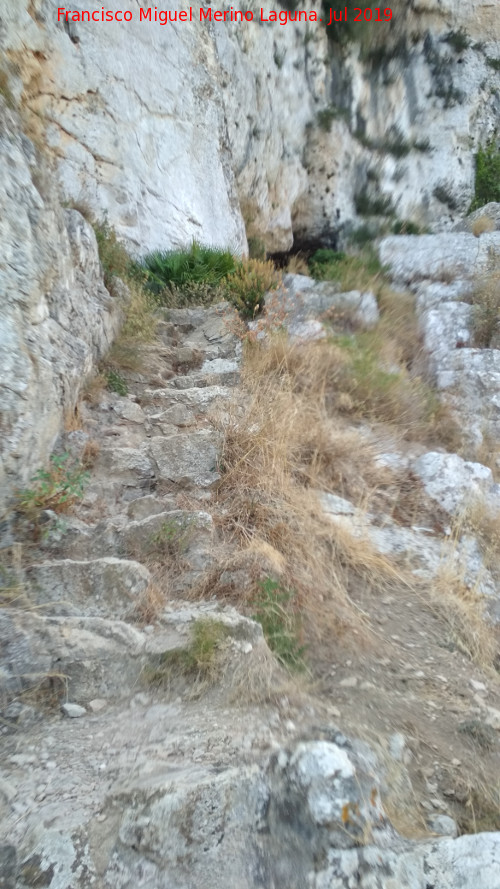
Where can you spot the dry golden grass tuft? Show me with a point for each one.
(149, 605)
(90, 453)
(486, 311)
(297, 265)
(461, 605)
(274, 460)
(481, 225)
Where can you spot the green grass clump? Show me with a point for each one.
(406, 227)
(201, 660)
(116, 383)
(280, 622)
(56, 488)
(208, 265)
(353, 271)
(487, 186)
(458, 40)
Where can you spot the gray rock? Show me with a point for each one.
(453, 482)
(107, 585)
(490, 213)
(443, 825)
(8, 867)
(441, 257)
(189, 458)
(73, 710)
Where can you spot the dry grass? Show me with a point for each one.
(297, 265)
(486, 311)
(481, 225)
(72, 419)
(149, 605)
(90, 453)
(482, 808)
(273, 461)
(462, 605)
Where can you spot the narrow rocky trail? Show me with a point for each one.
(88, 793)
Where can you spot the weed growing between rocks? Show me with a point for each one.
(274, 611)
(359, 271)
(56, 488)
(201, 661)
(139, 324)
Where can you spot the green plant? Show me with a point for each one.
(256, 248)
(114, 258)
(201, 660)
(56, 488)
(493, 63)
(277, 614)
(444, 195)
(352, 271)
(279, 57)
(487, 185)
(208, 265)
(247, 285)
(116, 383)
(458, 40)
(325, 118)
(172, 538)
(406, 227)
(5, 90)
(372, 206)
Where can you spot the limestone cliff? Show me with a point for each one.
(212, 131)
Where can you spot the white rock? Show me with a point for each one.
(72, 710)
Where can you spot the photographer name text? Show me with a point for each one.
(281, 17)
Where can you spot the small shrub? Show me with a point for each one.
(115, 260)
(487, 185)
(406, 228)
(493, 63)
(362, 235)
(201, 660)
(171, 539)
(116, 383)
(458, 40)
(280, 623)
(56, 488)
(372, 206)
(256, 248)
(444, 195)
(325, 118)
(247, 285)
(353, 272)
(486, 312)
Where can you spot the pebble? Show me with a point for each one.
(444, 826)
(349, 682)
(477, 686)
(97, 705)
(74, 711)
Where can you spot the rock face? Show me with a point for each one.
(57, 318)
(146, 122)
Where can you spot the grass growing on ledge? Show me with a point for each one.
(359, 271)
(280, 622)
(487, 185)
(201, 660)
